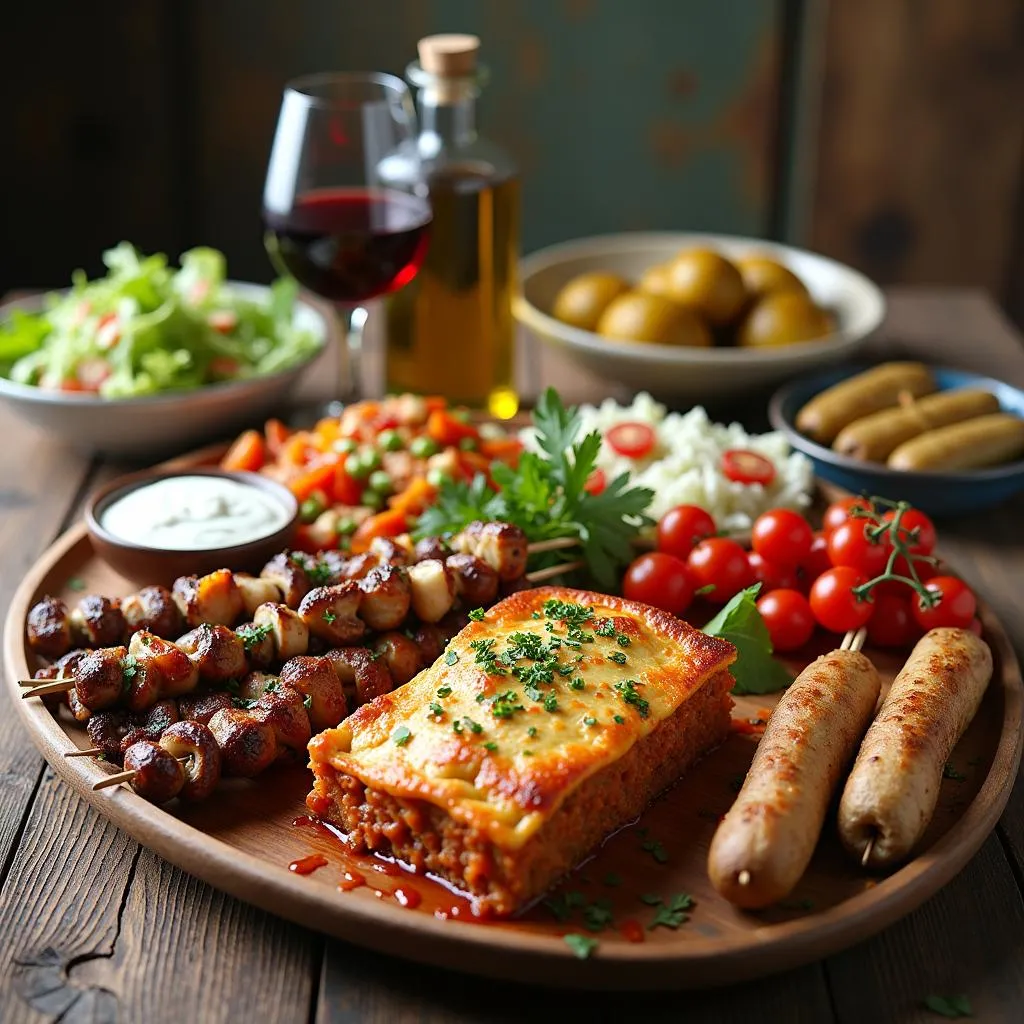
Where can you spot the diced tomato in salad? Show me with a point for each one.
(372, 471)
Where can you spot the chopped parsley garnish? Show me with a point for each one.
(949, 1006)
(612, 879)
(618, 657)
(401, 736)
(533, 693)
(577, 683)
(436, 709)
(252, 634)
(451, 657)
(656, 849)
(672, 914)
(590, 720)
(486, 656)
(129, 669)
(318, 572)
(505, 705)
(605, 628)
(622, 640)
(244, 703)
(524, 645)
(550, 701)
(568, 612)
(618, 720)
(329, 616)
(491, 746)
(630, 695)
(535, 615)
(581, 945)
(474, 727)
(457, 726)
(538, 673)
(307, 701)
(76, 583)
(476, 614)
(949, 772)
(652, 899)
(444, 691)
(597, 915)
(532, 731)
(575, 636)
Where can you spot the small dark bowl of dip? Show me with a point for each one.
(268, 515)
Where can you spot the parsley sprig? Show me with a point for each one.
(545, 496)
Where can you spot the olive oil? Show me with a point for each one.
(451, 331)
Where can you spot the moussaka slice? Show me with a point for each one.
(550, 720)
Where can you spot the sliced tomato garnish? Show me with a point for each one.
(746, 467)
(632, 440)
(224, 321)
(596, 482)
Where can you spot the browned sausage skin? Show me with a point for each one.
(893, 787)
(766, 840)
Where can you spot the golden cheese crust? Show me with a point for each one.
(546, 690)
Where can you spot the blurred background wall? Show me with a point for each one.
(886, 133)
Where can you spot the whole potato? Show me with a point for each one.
(784, 318)
(655, 280)
(640, 316)
(762, 275)
(706, 282)
(581, 301)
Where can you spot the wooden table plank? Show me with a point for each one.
(968, 939)
(357, 986)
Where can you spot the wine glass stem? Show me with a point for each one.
(353, 320)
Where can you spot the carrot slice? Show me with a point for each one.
(415, 498)
(247, 454)
(277, 433)
(319, 478)
(504, 449)
(389, 523)
(446, 430)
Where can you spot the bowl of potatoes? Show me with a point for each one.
(695, 316)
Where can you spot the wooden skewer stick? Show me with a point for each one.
(555, 544)
(743, 877)
(118, 777)
(854, 640)
(868, 850)
(553, 570)
(88, 752)
(56, 686)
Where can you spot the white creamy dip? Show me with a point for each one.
(184, 513)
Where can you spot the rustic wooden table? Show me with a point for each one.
(95, 928)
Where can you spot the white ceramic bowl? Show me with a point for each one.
(166, 423)
(696, 374)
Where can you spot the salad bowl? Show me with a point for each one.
(147, 414)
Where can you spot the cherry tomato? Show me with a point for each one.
(747, 467)
(661, 580)
(633, 440)
(720, 565)
(891, 623)
(956, 607)
(833, 602)
(789, 619)
(681, 527)
(975, 627)
(783, 537)
(849, 544)
(770, 575)
(839, 511)
(596, 482)
(917, 531)
(816, 562)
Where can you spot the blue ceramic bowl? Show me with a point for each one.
(938, 494)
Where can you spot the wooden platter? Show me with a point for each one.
(243, 839)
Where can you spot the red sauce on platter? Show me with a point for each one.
(350, 880)
(408, 897)
(632, 931)
(307, 865)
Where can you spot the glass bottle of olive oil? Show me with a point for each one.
(450, 332)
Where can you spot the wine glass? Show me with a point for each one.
(335, 218)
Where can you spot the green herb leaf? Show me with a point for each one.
(581, 945)
(76, 583)
(672, 914)
(739, 622)
(451, 657)
(949, 1006)
(401, 736)
(597, 915)
(652, 899)
(949, 772)
(655, 849)
(476, 615)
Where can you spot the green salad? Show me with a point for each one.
(147, 327)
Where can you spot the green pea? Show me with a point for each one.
(345, 445)
(390, 440)
(346, 526)
(370, 458)
(371, 499)
(468, 444)
(462, 415)
(310, 509)
(423, 447)
(437, 477)
(380, 481)
(354, 466)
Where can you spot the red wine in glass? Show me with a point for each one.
(351, 244)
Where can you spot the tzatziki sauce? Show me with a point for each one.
(193, 513)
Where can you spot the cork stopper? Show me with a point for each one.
(450, 55)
